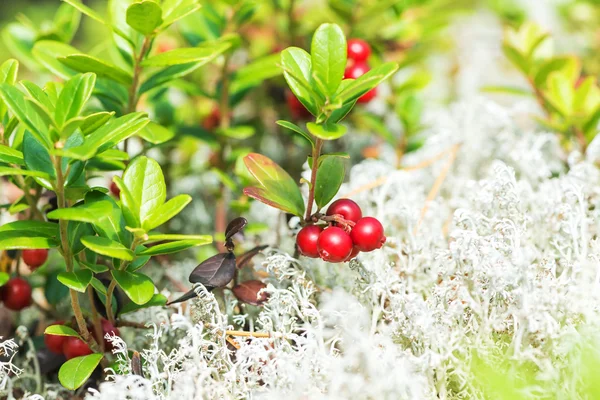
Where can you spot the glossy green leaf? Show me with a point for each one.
(166, 211)
(107, 247)
(326, 131)
(54, 291)
(109, 135)
(174, 247)
(255, 73)
(328, 57)
(297, 129)
(276, 187)
(157, 300)
(4, 278)
(8, 71)
(138, 287)
(174, 10)
(94, 121)
(25, 240)
(296, 64)
(73, 97)
(146, 184)
(39, 228)
(90, 213)
(155, 133)
(168, 74)
(95, 268)
(61, 330)
(47, 53)
(102, 69)
(10, 155)
(144, 16)
(36, 157)
(366, 82)
(76, 372)
(66, 21)
(77, 280)
(37, 93)
(330, 175)
(157, 237)
(75, 231)
(25, 172)
(200, 55)
(237, 132)
(19, 39)
(22, 109)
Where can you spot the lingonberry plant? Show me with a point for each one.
(328, 88)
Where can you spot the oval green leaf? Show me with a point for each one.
(330, 176)
(78, 280)
(61, 330)
(76, 371)
(138, 287)
(107, 247)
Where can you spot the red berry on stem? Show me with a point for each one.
(35, 258)
(55, 343)
(334, 244)
(16, 294)
(367, 97)
(107, 327)
(307, 240)
(367, 234)
(75, 347)
(346, 208)
(358, 50)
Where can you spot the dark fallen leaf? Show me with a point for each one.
(248, 292)
(215, 272)
(136, 364)
(235, 226)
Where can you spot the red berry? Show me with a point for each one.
(356, 70)
(367, 234)
(307, 240)
(334, 244)
(35, 258)
(55, 343)
(212, 120)
(367, 97)
(353, 255)
(16, 294)
(346, 208)
(75, 347)
(358, 50)
(114, 189)
(296, 108)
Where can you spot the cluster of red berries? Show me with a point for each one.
(72, 347)
(358, 53)
(349, 234)
(16, 293)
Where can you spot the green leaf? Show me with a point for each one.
(157, 300)
(91, 213)
(155, 133)
(554, 64)
(507, 89)
(86, 10)
(47, 53)
(11, 156)
(75, 231)
(201, 55)
(174, 247)
(39, 228)
(54, 291)
(111, 225)
(516, 58)
(25, 113)
(19, 40)
(95, 268)
(36, 156)
(174, 10)
(61, 330)
(366, 82)
(78, 280)
(166, 211)
(144, 16)
(36, 93)
(66, 21)
(277, 188)
(237, 132)
(297, 129)
(146, 184)
(107, 247)
(138, 287)
(73, 97)
(76, 372)
(330, 176)
(94, 121)
(25, 240)
(296, 69)
(8, 71)
(157, 237)
(328, 57)
(86, 63)
(17, 171)
(326, 131)
(255, 73)
(108, 135)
